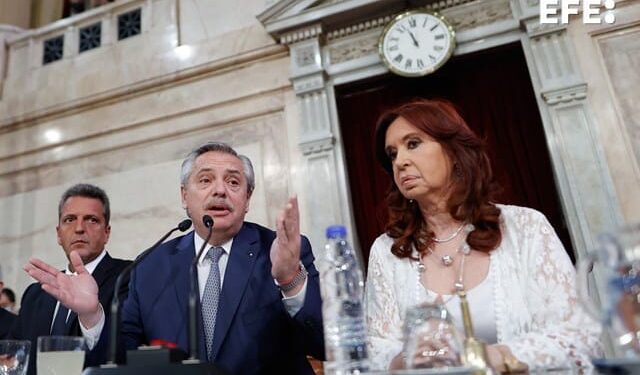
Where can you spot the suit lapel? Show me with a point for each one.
(244, 251)
(48, 306)
(180, 269)
(181, 258)
(103, 270)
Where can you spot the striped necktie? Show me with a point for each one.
(210, 298)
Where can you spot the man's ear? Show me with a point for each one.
(58, 235)
(183, 196)
(246, 208)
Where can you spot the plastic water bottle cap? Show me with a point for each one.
(336, 231)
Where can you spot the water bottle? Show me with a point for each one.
(342, 289)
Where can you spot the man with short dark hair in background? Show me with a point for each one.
(6, 318)
(83, 231)
(8, 300)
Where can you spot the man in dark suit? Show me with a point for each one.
(6, 321)
(259, 290)
(83, 230)
(6, 318)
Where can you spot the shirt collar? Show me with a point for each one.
(91, 266)
(198, 241)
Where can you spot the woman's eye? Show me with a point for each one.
(413, 143)
(391, 155)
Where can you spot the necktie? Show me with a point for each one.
(59, 326)
(210, 298)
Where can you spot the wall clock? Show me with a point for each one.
(416, 43)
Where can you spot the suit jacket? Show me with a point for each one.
(6, 321)
(254, 333)
(36, 312)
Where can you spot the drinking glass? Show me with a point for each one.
(60, 355)
(430, 338)
(14, 357)
(615, 261)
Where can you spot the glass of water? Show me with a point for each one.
(58, 355)
(14, 357)
(430, 338)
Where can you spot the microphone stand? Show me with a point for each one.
(193, 295)
(115, 302)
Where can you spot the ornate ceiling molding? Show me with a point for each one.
(301, 34)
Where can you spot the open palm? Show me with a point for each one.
(77, 292)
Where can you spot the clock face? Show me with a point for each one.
(416, 43)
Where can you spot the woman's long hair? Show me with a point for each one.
(471, 180)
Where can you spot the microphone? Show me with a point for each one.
(193, 293)
(115, 302)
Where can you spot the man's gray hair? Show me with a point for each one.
(187, 164)
(86, 191)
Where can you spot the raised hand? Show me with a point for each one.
(78, 292)
(285, 250)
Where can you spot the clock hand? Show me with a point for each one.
(415, 41)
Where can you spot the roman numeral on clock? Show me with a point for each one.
(401, 29)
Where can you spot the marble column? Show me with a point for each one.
(577, 153)
(580, 168)
(319, 136)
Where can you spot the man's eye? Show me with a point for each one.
(234, 182)
(67, 219)
(204, 180)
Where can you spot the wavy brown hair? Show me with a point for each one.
(471, 180)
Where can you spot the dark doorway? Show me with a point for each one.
(493, 90)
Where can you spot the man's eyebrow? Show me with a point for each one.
(204, 170)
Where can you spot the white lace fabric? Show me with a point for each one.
(537, 312)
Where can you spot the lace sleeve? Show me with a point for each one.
(560, 333)
(384, 325)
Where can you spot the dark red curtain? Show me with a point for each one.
(493, 91)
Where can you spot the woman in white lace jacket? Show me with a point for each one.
(518, 277)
